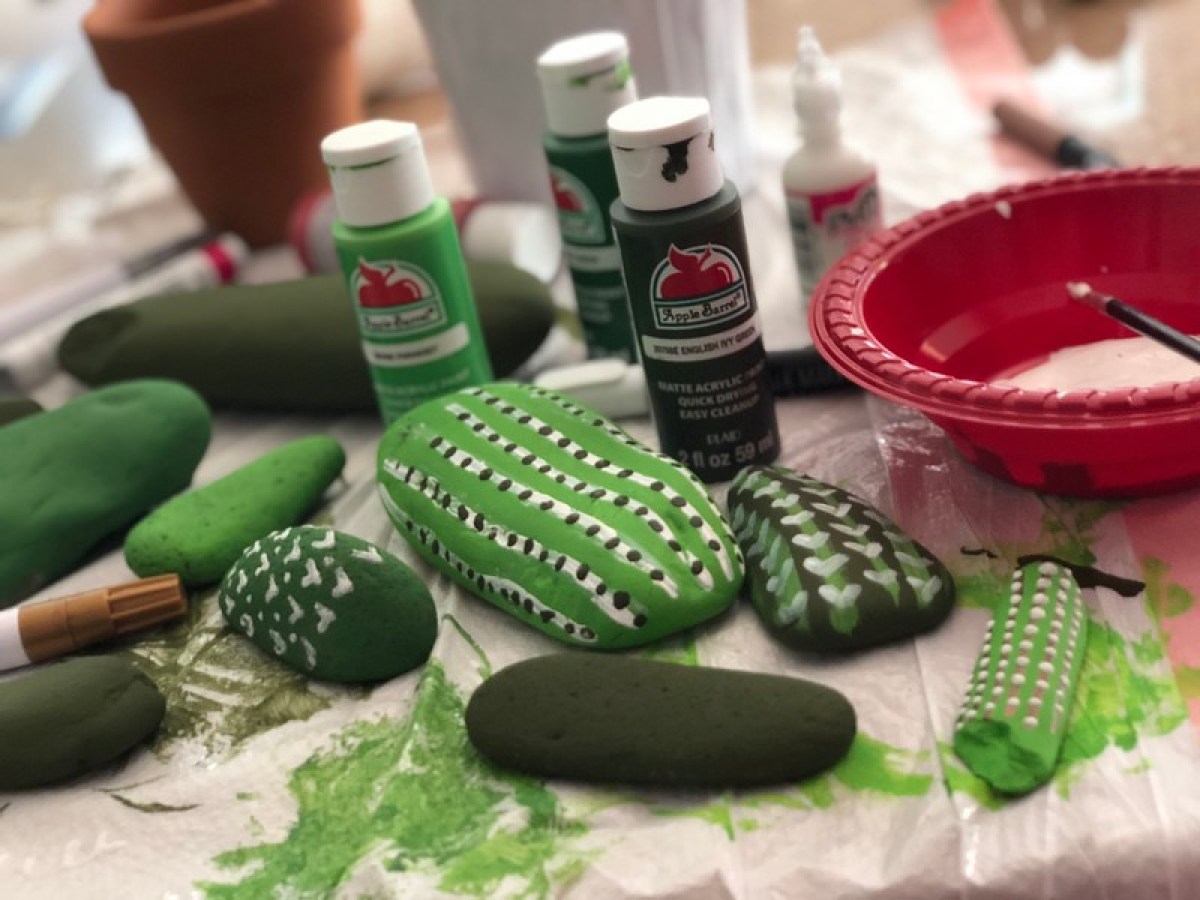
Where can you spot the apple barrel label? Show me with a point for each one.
(825, 227)
(702, 350)
(404, 322)
(592, 256)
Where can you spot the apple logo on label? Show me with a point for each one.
(565, 199)
(695, 272)
(386, 285)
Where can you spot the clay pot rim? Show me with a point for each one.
(106, 22)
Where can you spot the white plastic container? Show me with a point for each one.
(831, 188)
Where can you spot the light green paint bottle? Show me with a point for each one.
(584, 79)
(404, 267)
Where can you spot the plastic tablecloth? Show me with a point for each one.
(263, 784)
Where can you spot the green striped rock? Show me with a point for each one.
(827, 571)
(1012, 725)
(330, 605)
(552, 513)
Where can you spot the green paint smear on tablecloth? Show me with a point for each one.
(220, 689)
(870, 766)
(413, 795)
(1164, 598)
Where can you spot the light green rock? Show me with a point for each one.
(201, 533)
(1012, 725)
(555, 515)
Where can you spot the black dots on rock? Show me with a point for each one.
(612, 543)
(697, 567)
(525, 494)
(563, 441)
(559, 563)
(582, 572)
(634, 556)
(656, 526)
(592, 530)
(572, 518)
(714, 546)
(675, 545)
(546, 505)
(545, 430)
(621, 500)
(602, 464)
(678, 502)
(639, 621)
(657, 485)
(620, 599)
(485, 474)
(657, 575)
(587, 634)
(696, 522)
(547, 615)
(505, 484)
(436, 442)
(528, 459)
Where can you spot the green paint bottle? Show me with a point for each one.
(399, 250)
(584, 79)
(682, 242)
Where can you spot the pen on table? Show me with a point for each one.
(617, 388)
(41, 304)
(28, 359)
(36, 632)
(1049, 140)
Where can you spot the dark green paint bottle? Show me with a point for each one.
(682, 242)
(584, 79)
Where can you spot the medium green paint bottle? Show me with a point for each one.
(584, 79)
(682, 241)
(404, 267)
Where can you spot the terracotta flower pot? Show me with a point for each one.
(236, 95)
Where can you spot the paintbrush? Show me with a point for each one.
(1135, 319)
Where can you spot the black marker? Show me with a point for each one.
(1050, 141)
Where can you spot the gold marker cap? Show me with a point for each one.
(59, 626)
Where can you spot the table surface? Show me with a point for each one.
(263, 784)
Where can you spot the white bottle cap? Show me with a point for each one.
(585, 78)
(525, 235)
(663, 153)
(612, 387)
(378, 172)
(816, 87)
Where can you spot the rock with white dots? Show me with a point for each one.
(330, 605)
(552, 513)
(1011, 728)
(827, 571)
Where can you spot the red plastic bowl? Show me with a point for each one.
(933, 310)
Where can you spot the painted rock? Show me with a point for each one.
(555, 515)
(77, 474)
(827, 571)
(1014, 719)
(66, 718)
(330, 605)
(625, 720)
(201, 533)
(13, 408)
(295, 345)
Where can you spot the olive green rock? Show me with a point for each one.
(330, 605)
(13, 408)
(557, 516)
(284, 346)
(827, 571)
(66, 718)
(627, 720)
(201, 533)
(75, 475)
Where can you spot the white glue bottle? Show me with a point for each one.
(831, 189)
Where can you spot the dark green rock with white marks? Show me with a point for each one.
(74, 475)
(626, 720)
(201, 533)
(829, 572)
(552, 513)
(330, 605)
(66, 718)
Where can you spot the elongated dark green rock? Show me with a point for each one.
(74, 475)
(201, 533)
(13, 408)
(66, 718)
(625, 720)
(1014, 719)
(554, 514)
(282, 346)
(829, 572)
(330, 605)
